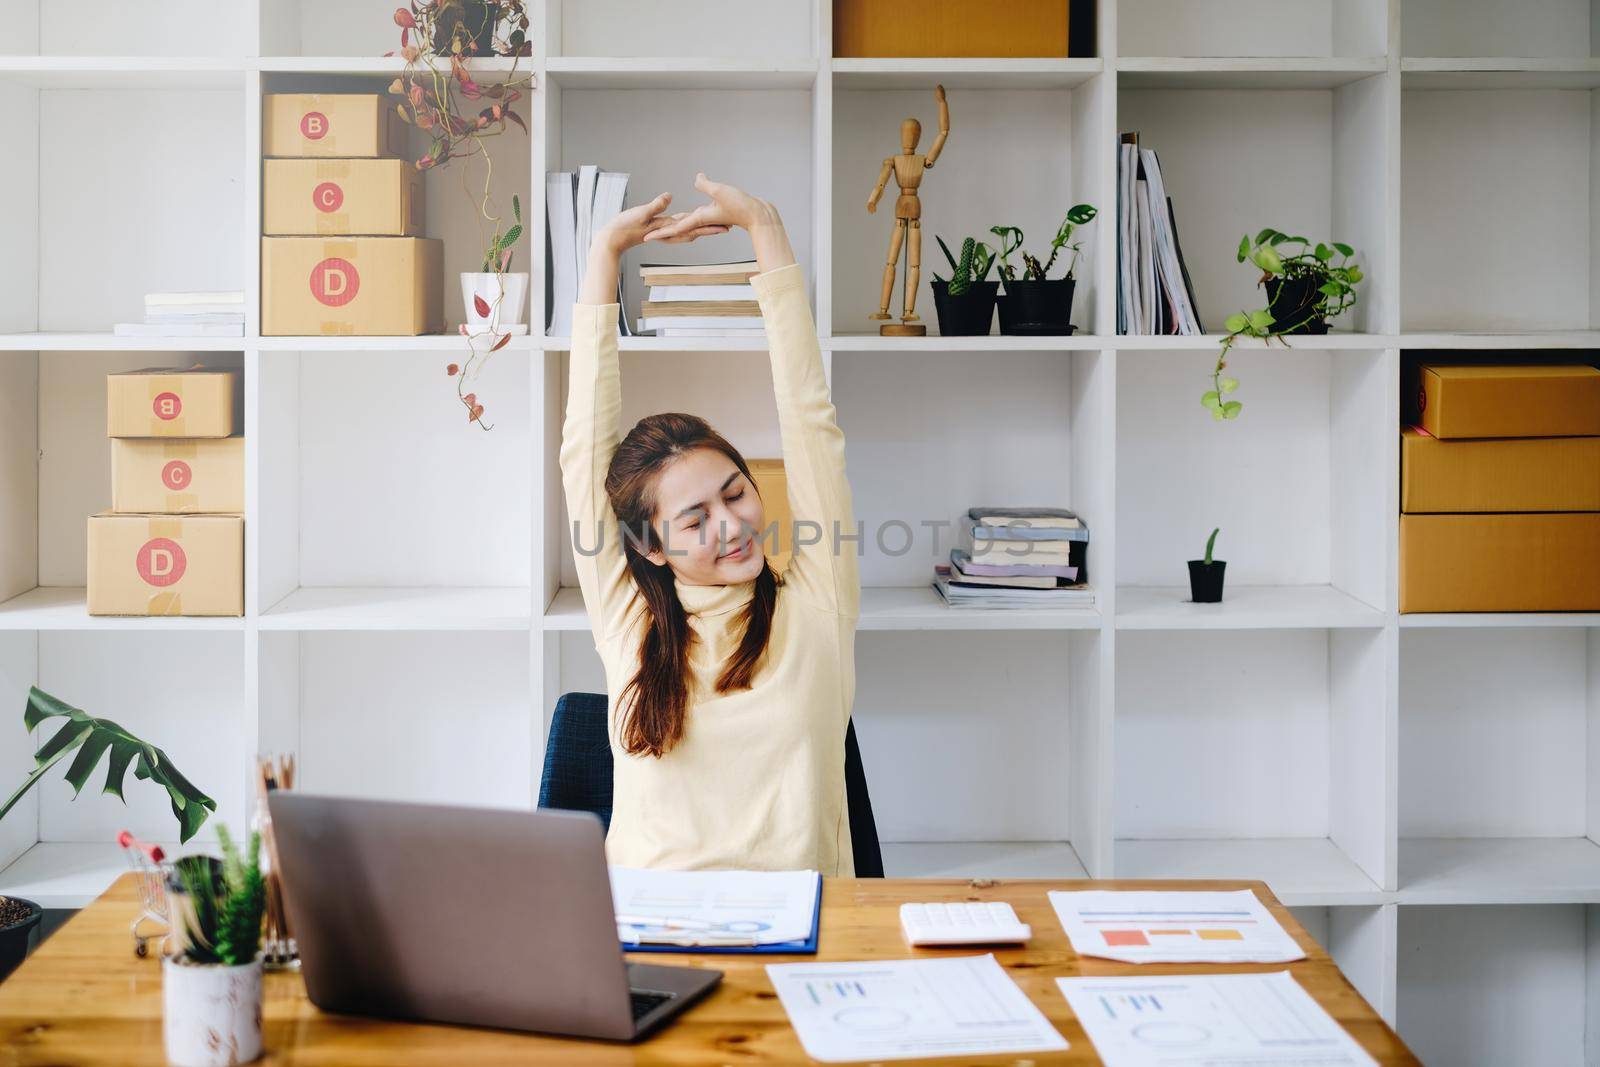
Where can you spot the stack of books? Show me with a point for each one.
(578, 204)
(1018, 557)
(1154, 292)
(700, 300)
(208, 314)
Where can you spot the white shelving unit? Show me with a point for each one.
(1419, 787)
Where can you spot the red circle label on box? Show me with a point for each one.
(176, 475)
(167, 406)
(327, 196)
(335, 282)
(161, 561)
(314, 125)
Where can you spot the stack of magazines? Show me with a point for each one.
(1018, 557)
(700, 300)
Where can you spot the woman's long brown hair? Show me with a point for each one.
(660, 690)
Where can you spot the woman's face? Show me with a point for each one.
(710, 520)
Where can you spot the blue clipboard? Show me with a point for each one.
(791, 948)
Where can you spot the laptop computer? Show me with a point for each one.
(465, 915)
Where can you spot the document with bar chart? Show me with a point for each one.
(1190, 1020)
(910, 1009)
(1173, 927)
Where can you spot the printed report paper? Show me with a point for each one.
(1173, 927)
(1265, 1020)
(909, 1009)
(767, 906)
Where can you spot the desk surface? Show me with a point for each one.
(84, 998)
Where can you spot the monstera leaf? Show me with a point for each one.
(93, 738)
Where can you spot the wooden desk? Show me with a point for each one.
(84, 998)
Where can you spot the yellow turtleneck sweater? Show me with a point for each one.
(757, 782)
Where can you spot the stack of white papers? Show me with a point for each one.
(910, 1009)
(713, 908)
(1202, 1020)
(1173, 927)
(199, 314)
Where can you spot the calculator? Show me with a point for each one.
(963, 923)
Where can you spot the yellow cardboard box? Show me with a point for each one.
(170, 402)
(1509, 401)
(1500, 562)
(1498, 473)
(166, 565)
(923, 28)
(773, 484)
(177, 476)
(341, 196)
(352, 125)
(366, 286)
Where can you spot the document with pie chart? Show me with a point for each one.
(1142, 926)
(910, 1009)
(1188, 1020)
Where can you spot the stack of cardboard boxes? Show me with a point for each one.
(1500, 489)
(173, 541)
(340, 217)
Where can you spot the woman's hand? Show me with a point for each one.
(637, 225)
(732, 206)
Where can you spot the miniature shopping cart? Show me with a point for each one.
(152, 868)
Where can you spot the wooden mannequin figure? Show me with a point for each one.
(907, 168)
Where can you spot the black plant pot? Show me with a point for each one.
(1205, 580)
(18, 939)
(471, 20)
(1293, 302)
(967, 315)
(1033, 308)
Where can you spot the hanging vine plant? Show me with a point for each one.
(439, 95)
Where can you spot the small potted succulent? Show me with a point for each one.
(965, 303)
(91, 739)
(1205, 575)
(211, 984)
(494, 297)
(1305, 289)
(1035, 303)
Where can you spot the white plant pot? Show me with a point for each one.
(506, 295)
(211, 1013)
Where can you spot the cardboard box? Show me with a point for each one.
(368, 286)
(177, 477)
(165, 565)
(773, 484)
(341, 196)
(170, 402)
(1498, 474)
(936, 28)
(1509, 401)
(351, 125)
(1500, 562)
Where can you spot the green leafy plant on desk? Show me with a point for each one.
(1306, 289)
(89, 740)
(217, 907)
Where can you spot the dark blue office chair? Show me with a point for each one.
(577, 774)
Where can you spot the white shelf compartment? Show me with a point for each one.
(1244, 607)
(121, 73)
(1159, 72)
(1483, 986)
(1062, 121)
(587, 72)
(1254, 758)
(389, 608)
(108, 31)
(1543, 137)
(1498, 747)
(66, 608)
(955, 72)
(1478, 31)
(1344, 30)
(1500, 73)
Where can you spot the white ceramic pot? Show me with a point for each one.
(506, 295)
(211, 1013)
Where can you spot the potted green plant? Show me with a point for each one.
(211, 984)
(91, 739)
(1035, 303)
(1306, 289)
(1205, 575)
(965, 303)
(439, 95)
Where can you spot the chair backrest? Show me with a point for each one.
(577, 774)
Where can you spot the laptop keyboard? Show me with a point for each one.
(645, 1002)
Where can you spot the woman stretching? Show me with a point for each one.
(730, 687)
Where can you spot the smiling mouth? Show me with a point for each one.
(739, 553)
